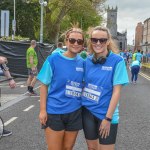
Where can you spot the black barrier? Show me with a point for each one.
(15, 52)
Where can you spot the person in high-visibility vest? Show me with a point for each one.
(134, 56)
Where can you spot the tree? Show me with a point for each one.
(58, 16)
(58, 11)
(27, 16)
(28, 19)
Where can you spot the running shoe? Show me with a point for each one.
(6, 133)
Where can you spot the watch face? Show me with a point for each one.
(41, 1)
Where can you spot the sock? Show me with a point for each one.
(30, 88)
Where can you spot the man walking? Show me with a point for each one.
(32, 62)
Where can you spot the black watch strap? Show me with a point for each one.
(108, 119)
(10, 78)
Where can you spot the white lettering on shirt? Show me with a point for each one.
(107, 68)
(79, 69)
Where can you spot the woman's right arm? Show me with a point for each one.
(45, 77)
(43, 98)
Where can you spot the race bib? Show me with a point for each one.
(92, 93)
(73, 89)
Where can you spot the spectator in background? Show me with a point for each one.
(124, 54)
(134, 56)
(32, 62)
(135, 68)
(139, 56)
(12, 84)
(59, 48)
(83, 54)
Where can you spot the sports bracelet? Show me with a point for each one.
(10, 78)
(108, 119)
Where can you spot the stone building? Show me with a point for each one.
(146, 37)
(139, 36)
(120, 38)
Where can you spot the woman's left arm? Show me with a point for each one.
(114, 100)
(105, 125)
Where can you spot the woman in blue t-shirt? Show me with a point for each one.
(105, 73)
(60, 93)
(135, 68)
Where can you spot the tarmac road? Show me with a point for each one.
(21, 111)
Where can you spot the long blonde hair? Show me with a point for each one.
(111, 47)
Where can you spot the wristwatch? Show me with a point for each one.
(10, 78)
(108, 119)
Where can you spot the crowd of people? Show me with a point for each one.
(134, 60)
(80, 89)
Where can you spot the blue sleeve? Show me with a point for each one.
(45, 74)
(120, 75)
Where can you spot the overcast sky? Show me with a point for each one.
(130, 12)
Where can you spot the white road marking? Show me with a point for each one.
(144, 75)
(10, 120)
(35, 96)
(27, 109)
(17, 83)
(23, 86)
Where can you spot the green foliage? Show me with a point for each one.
(16, 38)
(27, 17)
(66, 12)
(58, 16)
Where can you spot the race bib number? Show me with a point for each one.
(73, 89)
(92, 93)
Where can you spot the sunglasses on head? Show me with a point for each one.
(72, 41)
(102, 40)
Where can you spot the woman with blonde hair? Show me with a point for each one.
(105, 74)
(60, 94)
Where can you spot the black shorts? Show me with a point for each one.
(91, 126)
(68, 122)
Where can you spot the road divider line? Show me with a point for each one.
(10, 120)
(27, 109)
(145, 76)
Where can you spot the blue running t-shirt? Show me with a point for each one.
(99, 82)
(64, 78)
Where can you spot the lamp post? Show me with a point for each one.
(42, 3)
(14, 21)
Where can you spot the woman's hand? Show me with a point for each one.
(104, 128)
(43, 117)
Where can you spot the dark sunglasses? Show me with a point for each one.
(72, 41)
(102, 40)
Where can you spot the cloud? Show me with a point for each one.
(129, 14)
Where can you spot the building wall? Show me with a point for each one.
(146, 36)
(146, 32)
(139, 35)
(122, 41)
